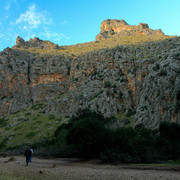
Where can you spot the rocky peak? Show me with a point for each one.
(111, 27)
(143, 26)
(109, 24)
(34, 43)
(35, 40)
(19, 41)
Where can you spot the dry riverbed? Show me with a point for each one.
(67, 169)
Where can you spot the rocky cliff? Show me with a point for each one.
(138, 83)
(112, 27)
(34, 43)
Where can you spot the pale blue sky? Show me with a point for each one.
(67, 22)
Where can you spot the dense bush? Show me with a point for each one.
(3, 122)
(107, 84)
(83, 136)
(87, 136)
(131, 145)
(169, 140)
(3, 143)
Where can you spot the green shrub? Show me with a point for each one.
(176, 56)
(114, 86)
(3, 122)
(131, 112)
(170, 131)
(85, 134)
(37, 106)
(38, 122)
(156, 68)
(177, 101)
(123, 80)
(107, 84)
(28, 114)
(3, 143)
(129, 145)
(10, 66)
(169, 140)
(163, 72)
(52, 117)
(88, 134)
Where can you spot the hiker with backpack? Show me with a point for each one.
(28, 154)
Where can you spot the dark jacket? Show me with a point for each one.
(28, 153)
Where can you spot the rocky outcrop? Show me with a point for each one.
(35, 43)
(141, 80)
(111, 27)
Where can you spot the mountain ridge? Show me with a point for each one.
(134, 78)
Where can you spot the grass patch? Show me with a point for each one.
(52, 117)
(30, 135)
(37, 107)
(38, 122)
(29, 127)
(125, 119)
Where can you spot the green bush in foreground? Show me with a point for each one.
(87, 136)
(84, 135)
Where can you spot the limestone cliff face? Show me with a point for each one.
(111, 27)
(27, 79)
(142, 79)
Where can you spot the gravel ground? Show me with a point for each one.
(67, 169)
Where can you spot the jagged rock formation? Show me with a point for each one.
(34, 43)
(112, 27)
(142, 80)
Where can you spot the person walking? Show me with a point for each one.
(28, 154)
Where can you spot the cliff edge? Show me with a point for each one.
(111, 27)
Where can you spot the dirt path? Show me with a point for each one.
(67, 169)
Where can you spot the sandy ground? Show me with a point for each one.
(57, 169)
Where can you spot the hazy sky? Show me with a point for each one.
(67, 22)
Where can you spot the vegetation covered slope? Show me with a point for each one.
(114, 41)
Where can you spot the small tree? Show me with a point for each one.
(169, 140)
(87, 133)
